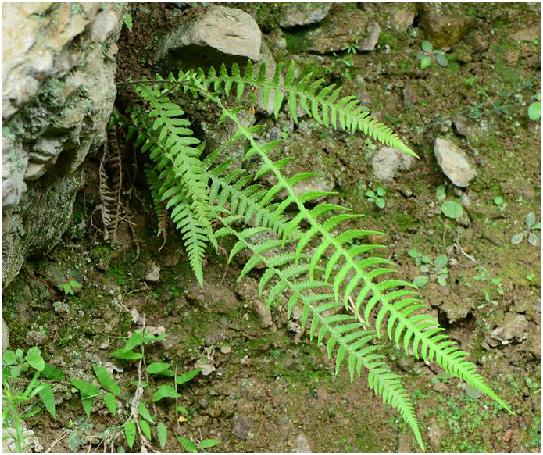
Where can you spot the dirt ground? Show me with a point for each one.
(269, 389)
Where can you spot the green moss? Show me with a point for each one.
(297, 41)
(386, 38)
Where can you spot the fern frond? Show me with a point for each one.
(347, 339)
(323, 103)
(167, 136)
(393, 300)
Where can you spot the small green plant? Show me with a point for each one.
(489, 292)
(534, 109)
(429, 269)
(452, 209)
(21, 396)
(70, 287)
(376, 197)
(127, 21)
(194, 447)
(499, 201)
(140, 423)
(342, 66)
(428, 55)
(530, 232)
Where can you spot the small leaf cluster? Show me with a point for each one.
(427, 55)
(20, 402)
(530, 232)
(377, 197)
(428, 268)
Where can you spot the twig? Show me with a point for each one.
(56, 441)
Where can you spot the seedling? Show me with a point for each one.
(377, 196)
(193, 447)
(530, 233)
(70, 287)
(430, 269)
(500, 203)
(452, 210)
(534, 109)
(427, 55)
(20, 403)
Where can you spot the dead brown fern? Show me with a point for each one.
(110, 186)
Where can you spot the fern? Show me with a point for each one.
(344, 332)
(323, 263)
(171, 144)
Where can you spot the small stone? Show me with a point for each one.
(445, 24)
(453, 162)
(372, 39)
(226, 349)
(527, 34)
(153, 275)
(514, 328)
(5, 335)
(402, 19)
(205, 365)
(301, 444)
(61, 307)
(388, 161)
(440, 387)
(435, 433)
(296, 14)
(242, 426)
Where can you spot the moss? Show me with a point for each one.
(386, 38)
(297, 41)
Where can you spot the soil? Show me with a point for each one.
(270, 389)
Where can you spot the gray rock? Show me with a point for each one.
(445, 24)
(214, 35)
(527, 34)
(514, 328)
(340, 30)
(294, 14)
(401, 19)
(242, 426)
(453, 162)
(5, 335)
(369, 43)
(301, 444)
(153, 273)
(58, 93)
(388, 161)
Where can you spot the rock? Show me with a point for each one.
(58, 92)
(440, 387)
(205, 365)
(371, 40)
(435, 433)
(214, 35)
(388, 161)
(401, 19)
(514, 328)
(301, 444)
(242, 426)
(527, 34)
(295, 14)
(5, 335)
(153, 273)
(464, 127)
(344, 27)
(453, 162)
(445, 24)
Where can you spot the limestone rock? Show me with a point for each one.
(527, 34)
(388, 161)
(371, 40)
(514, 328)
(341, 29)
(453, 162)
(295, 14)
(58, 92)
(401, 19)
(214, 35)
(301, 444)
(445, 24)
(5, 335)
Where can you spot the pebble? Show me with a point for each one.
(453, 162)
